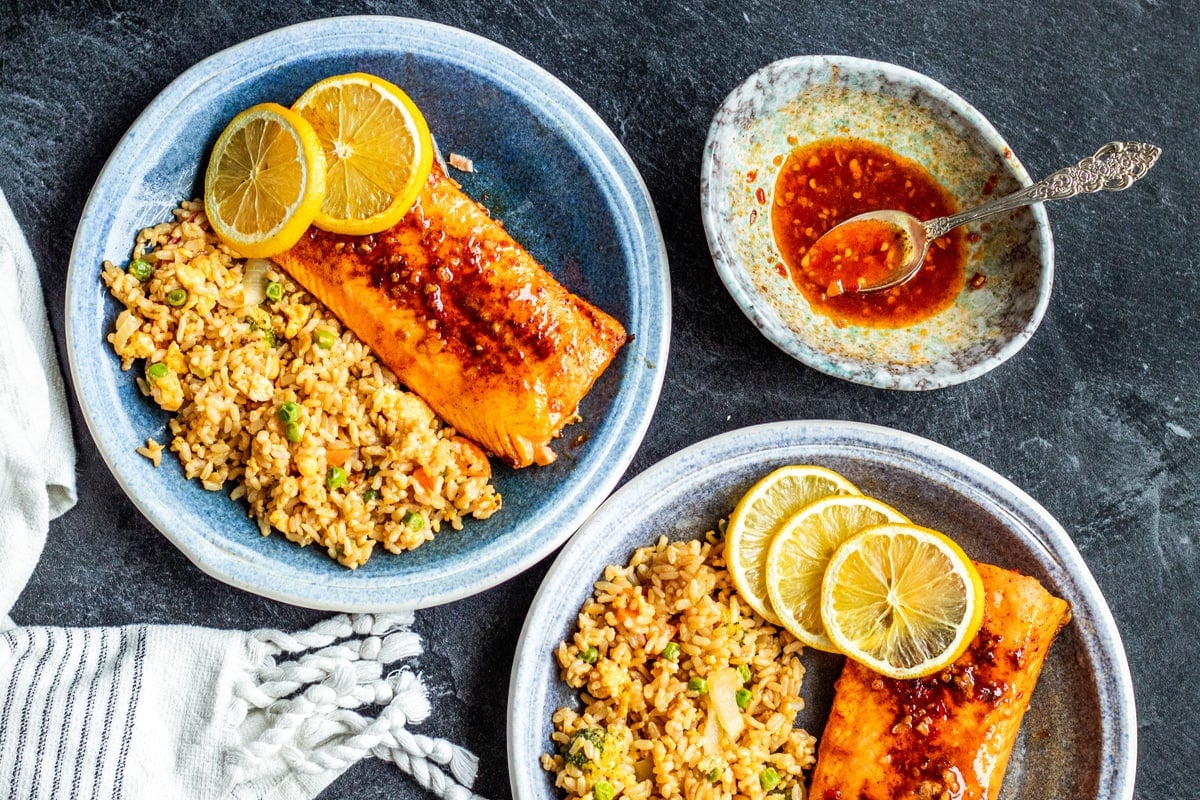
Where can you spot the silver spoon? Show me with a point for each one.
(1114, 167)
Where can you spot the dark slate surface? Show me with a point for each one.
(1096, 417)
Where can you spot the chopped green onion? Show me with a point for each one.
(156, 370)
(589, 656)
(274, 291)
(323, 338)
(744, 672)
(698, 685)
(742, 697)
(335, 478)
(372, 472)
(768, 779)
(414, 521)
(289, 412)
(603, 790)
(671, 651)
(369, 495)
(141, 269)
(291, 431)
(177, 297)
(714, 774)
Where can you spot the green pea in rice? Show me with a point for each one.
(640, 729)
(225, 363)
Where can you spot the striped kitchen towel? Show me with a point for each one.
(189, 713)
(169, 712)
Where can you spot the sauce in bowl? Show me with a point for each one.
(828, 181)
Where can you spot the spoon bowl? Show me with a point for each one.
(1115, 166)
(908, 235)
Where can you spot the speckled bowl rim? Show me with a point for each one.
(733, 272)
(626, 420)
(568, 582)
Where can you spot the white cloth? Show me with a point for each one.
(37, 458)
(168, 712)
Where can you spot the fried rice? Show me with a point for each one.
(655, 656)
(275, 398)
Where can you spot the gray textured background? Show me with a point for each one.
(1096, 417)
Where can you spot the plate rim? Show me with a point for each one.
(1118, 724)
(650, 307)
(764, 318)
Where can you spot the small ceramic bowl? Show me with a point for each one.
(800, 100)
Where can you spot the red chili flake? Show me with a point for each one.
(977, 280)
(760, 195)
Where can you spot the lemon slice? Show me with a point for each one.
(901, 599)
(758, 516)
(377, 148)
(800, 551)
(265, 181)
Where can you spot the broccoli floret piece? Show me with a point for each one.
(268, 334)
(260, 322)
(574, 753)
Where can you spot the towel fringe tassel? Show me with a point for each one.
(306, 705)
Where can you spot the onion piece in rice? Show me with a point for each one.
(127, 325)
(252, 291)
(722, 698)
(254, 284)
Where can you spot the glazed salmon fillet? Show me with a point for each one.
(948, 735)
(466, 318)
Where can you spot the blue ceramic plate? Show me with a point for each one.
(545, 164)
(1078, 739)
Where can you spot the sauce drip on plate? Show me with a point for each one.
(831, 180)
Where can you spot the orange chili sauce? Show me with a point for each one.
(831, 180)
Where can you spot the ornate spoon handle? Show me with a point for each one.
(1113, 167)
